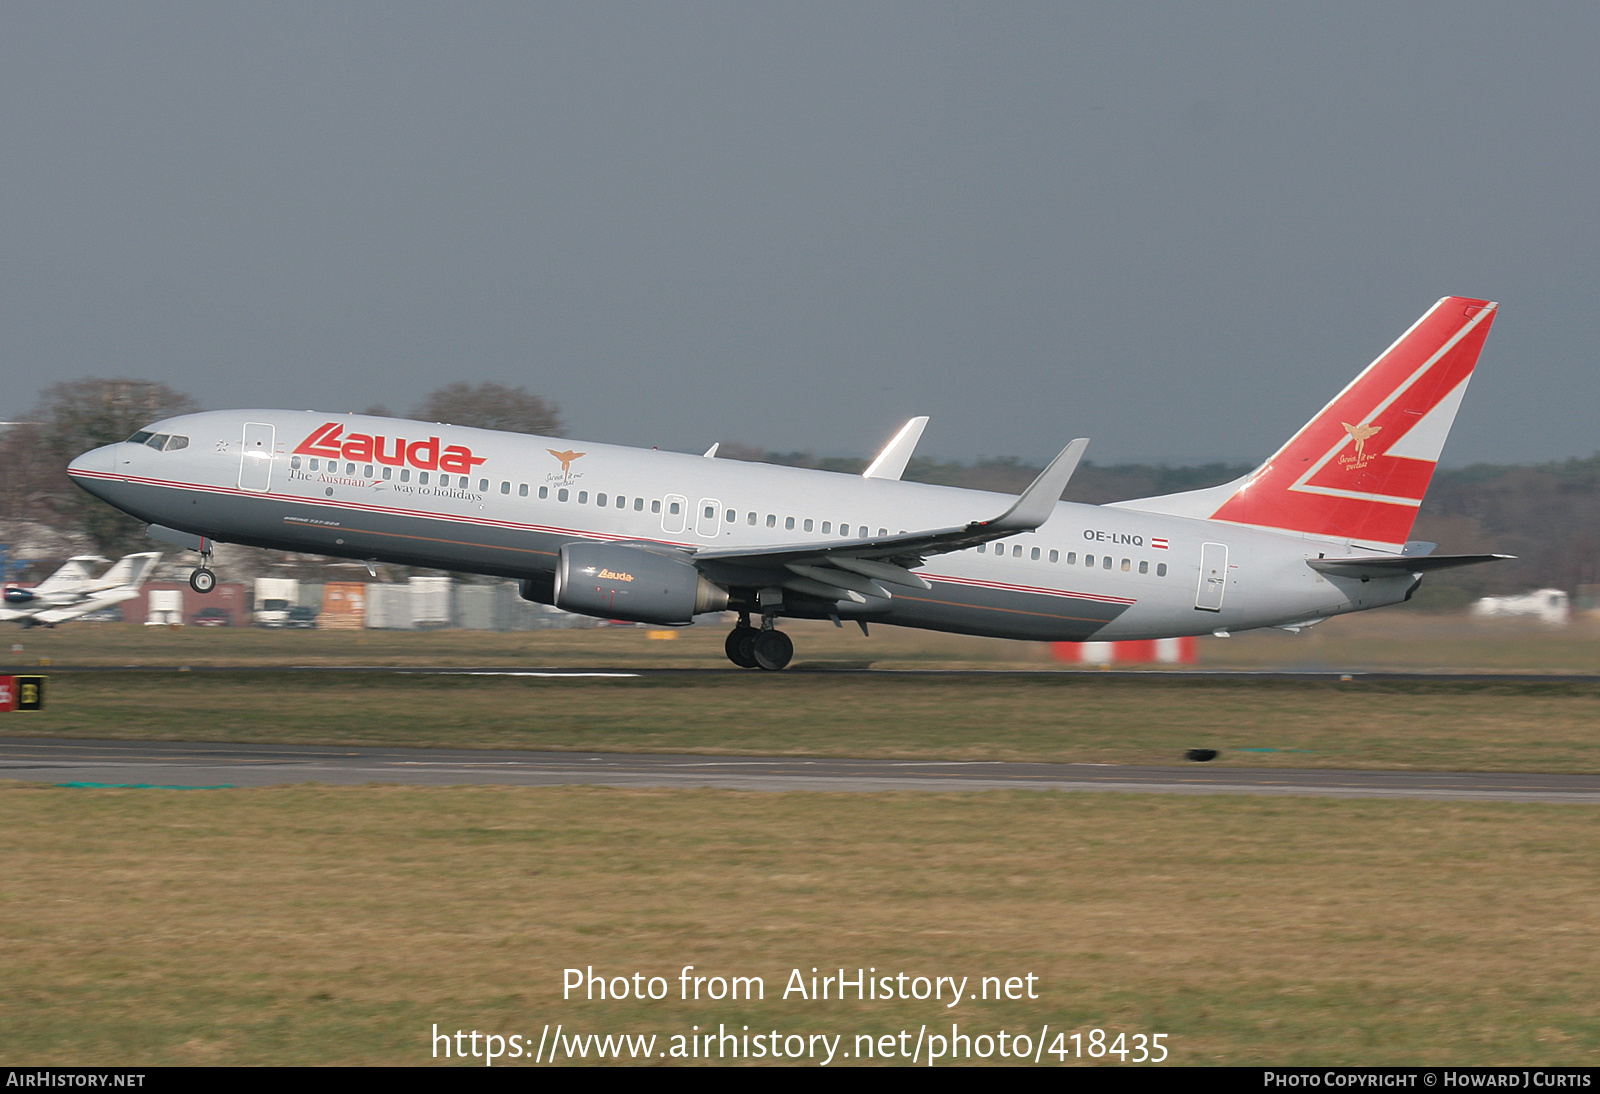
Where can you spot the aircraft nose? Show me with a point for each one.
(93, 463)
(95, 460)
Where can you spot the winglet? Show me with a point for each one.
(891, 462)
(1038, 501)
(711, 453)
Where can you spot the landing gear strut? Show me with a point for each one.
(767, 648)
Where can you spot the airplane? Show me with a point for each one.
(1319, 529)
(73, 590)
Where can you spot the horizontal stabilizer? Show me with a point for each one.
(1390, 565)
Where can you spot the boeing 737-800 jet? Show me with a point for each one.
(1319, 529)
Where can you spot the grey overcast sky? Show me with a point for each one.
(1175, 229)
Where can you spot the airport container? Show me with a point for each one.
(165, 608)
(388, 607)
(477, 608)
(344, 606)
(431, 602)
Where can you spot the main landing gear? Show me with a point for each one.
(764, 648)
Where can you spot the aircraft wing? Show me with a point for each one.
(853, 569)
(88, 604)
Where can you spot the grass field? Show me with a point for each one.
(318, 925)
(1505, 726)
(337, 925)
(1396, 640)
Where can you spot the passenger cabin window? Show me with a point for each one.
(710, 513)
(1088, 560)
(599, 499)
(583, 497)
(1055, 556)
(729, 517)
(751, 520)
(366, 472)
(638, 505)
(505, 488)
(674, 509)
(294, 463)
(388, 472)
(622, 502)
(1144, 566)
(1125, 565)
(1072, 558)
(562, 494)
(1106, 565)
(788, 524)
(544, 492)
(422, 478)
(808, 524)
(772, 520)
(1016, 551)
(980, 548)
(483, 486)
(349, 469)
(655, 507)
(1035, 554)
(522, 490)
(405, 472)
(827, 526)
(1161, 569)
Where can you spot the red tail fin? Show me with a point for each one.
(1359, 469)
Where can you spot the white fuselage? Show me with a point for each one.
(499, 503)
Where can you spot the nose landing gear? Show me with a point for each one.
(203, 578)
(766, 648)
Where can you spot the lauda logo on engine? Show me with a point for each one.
(425, 455)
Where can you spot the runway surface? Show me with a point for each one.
(853, 668)
(190, 765)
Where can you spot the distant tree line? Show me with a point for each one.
(1548, 515)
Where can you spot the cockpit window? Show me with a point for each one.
(140, 437)
(176, 442)
(156, 442)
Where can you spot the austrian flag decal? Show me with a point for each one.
(1158, 544)
(425, 455)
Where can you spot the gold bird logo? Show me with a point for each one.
(566, 459)
(1360, 433)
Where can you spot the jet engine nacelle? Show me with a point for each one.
(15, 595)
(616, 582)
